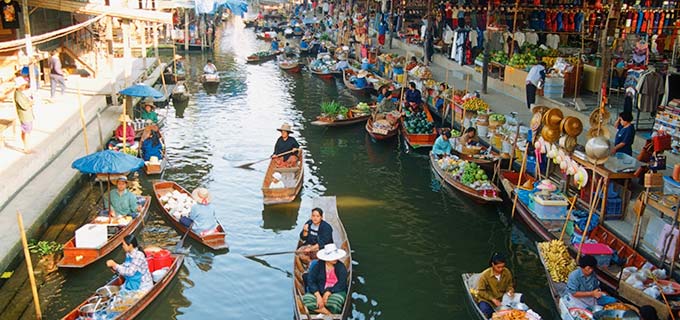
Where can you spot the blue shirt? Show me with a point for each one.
(366, 66)
(413, 96)
(150, 150)
(577, 282)
(341, 65)
(441, 146)
(203, 216)
(625, 135)
(360, 83)
(275, 46)
(304, 44)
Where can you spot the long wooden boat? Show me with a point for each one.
(292, 177)
(417, 140)
(262, 36)
(346, 75)
(259, 59)
(476, 195)
(509, 181)
(467, 279)
(292, 67)
(341, 240)
(75, 257)
(334, 122)
(557, 290)
(215, 241)
(250, 23)
(380, 135)
(487, 162)
(180, 94)
(154, 168)
(135, 309)
(325, 75)
(167, 91)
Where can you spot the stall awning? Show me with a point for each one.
(99, 9)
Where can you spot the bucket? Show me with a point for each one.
(162, 259)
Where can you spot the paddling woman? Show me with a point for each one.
(315, 234)
(135, 269)
(284, 144)
(493, 283)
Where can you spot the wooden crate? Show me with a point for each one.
(515, 77)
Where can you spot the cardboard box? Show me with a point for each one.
(91, 236)
(515, 77)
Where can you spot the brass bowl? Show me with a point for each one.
(572, 126)
(552, 118)
(550, 134)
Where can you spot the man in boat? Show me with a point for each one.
(583, 288)
(327, 282)
(315, 234)
(123, 202)
(135, 269)
(288, 145)
(275, 44)
(494, 282)
(444, 94)
(385, 106)
(149, 113)
(209, 68)
(203, 213)
(413, 97)
(442, 146)
(288, 50)
(276, 181)
(303, 44)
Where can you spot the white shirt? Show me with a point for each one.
(535, 74)
(277, 185)
(209, 68)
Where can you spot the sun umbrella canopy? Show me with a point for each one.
(141, 90)
(107, 161)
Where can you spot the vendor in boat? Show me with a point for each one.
(385, 106)
(412, 64)
(384, 92)
(315, 234)
(413, 97)
(341, 65)
(288, 50)
(135, 269)
(149, 112)
(625, 134)
(583, 288)
(360, 80)
(210, 68)
(469, 137)
(275, 45)
(444, 94)
(123, 202)
(327, 282)
(493, 283)
(286, 144)
(124, 132)
(203, 213)
(442, 146)
(303, 44)
(276, 181)
(365, 65)
(151, 143)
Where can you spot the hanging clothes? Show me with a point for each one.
(651, 92)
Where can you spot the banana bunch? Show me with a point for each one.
(550, 61)
(475, 104)
(557, 260)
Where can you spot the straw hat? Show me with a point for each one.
(154, 160)
(362, 74)
(285, 127)
(202, 196)
(330, 253)
(572, 126)
(540, 109)
(124, 118)
(122, 178)
(552, 118)
(536, 120)
(550, 134)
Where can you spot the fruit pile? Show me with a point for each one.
(261, 54)
(557, 260)
(363, 107)
(497, 117)
(472, 173)
(417, 123)
(522, 60)
(500, 57)
(475, 104)
(468, 173)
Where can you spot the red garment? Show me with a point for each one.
(660, 31)
(130, 133)
(644, 22)
(537, 3)
(591, 22)
(448, 11)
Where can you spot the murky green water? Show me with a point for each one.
(412, 238)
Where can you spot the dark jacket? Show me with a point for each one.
(317, 278)
(324, 236)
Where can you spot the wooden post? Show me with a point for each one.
(571, 208)
(590, 216)
(82, 118)
(143, 42)
(29, 264)
(155, 41)
(514, 28)
(165, 88)
(124, 122)
(519, 179)
(186, 29)
(174, 63)
(29, 46)
(514, 146)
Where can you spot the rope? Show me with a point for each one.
(21, 43)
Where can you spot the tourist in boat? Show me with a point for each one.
(625, 134)
(202, 213)
(123, 202)
(442, 146)
(275, 44)
(469, 137)
(412, 64)
(360, 81)
(315, 234)
(151, 143)
(276, 181)
(327, 282)
(288, 145)
(210, 68)
(148, 112)
(493, 283)
(128, 136)
(413, 97)
(583, 288)
(135, 269)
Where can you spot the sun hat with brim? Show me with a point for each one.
(285, 127)
(202, 196)
(540, 109)
(154, 160)
(572, 126)
(552, 118)
(122, 178)
(124, 118)
(536, 121)
(550, 134)
(362, 74)
(330, 253)
(277, 175)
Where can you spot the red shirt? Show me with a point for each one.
(130, 133)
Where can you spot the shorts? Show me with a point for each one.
(27, 127)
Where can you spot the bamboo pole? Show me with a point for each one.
(124, 123)
(519, 180)
(186, 29)
(638, 220)
(174, 62)
(165, 87)
(571, 208)
(514, 146)
(590, 216)
(29, 267)
(83, 123)
(677, 241)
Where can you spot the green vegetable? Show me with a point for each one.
(331, 108)
(43, 248)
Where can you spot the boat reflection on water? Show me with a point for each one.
(379, 152)
(179, 108)
(280, 217)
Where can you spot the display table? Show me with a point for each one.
(608, 176)
(500, 68)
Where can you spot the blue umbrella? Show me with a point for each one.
(108, 161)
(141, 90)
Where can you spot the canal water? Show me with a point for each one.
(412, 237)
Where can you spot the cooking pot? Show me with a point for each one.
(597, 149)
(615, 314)
(108, 291)
(88, 311)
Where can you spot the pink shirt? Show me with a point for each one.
(331, 279)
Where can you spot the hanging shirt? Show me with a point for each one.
(10, 17)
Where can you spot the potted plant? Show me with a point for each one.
(49, 253)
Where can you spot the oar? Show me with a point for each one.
(246, 165)
(180, 244)
(267, 254)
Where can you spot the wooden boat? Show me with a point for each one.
(215, 241)
(180, 94)
(509, 181)
(333, 122)
(263, 36)
(292, 178)
(305, 51)
(259, 59)
(557, 289)
(416, 140)
(485, 161)
(378, 135)
(154, 168)
(476, 195)
(250, 23)
(82, 257)
(467, 277)
(346, 75)
(290, 66)
(341, 240)
(135, 309)
(165, 100)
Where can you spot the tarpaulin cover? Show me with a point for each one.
(107, 161)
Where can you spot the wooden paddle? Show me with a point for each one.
(180, 244)
(267, 254)
(247, 165)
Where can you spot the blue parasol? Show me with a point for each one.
(141, 90)
(108, 161)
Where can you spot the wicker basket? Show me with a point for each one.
(470, 150)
